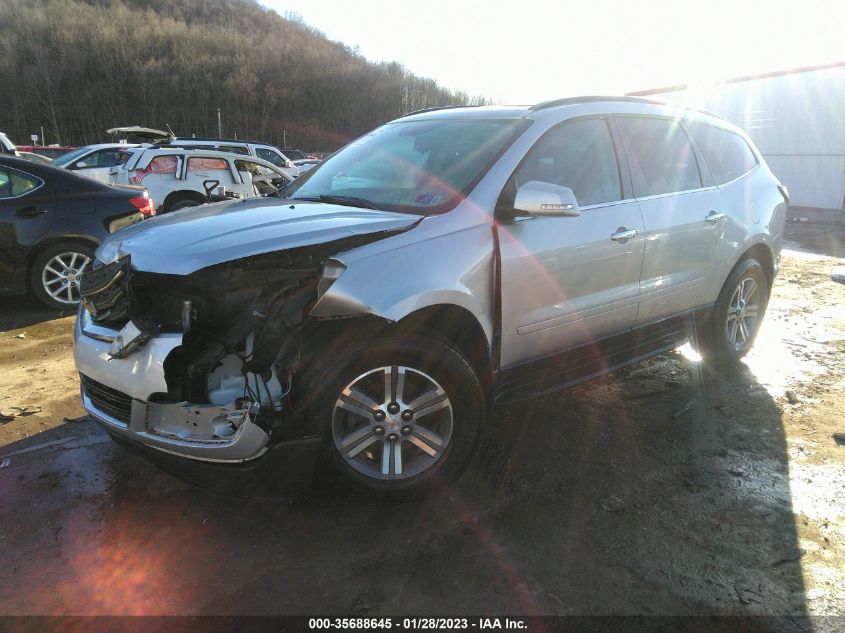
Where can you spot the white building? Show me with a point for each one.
(796, 118)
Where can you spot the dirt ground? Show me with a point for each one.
(662, 489)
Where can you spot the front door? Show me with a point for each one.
(570, 281)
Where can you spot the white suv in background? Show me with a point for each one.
(177, 178)
(258, 149)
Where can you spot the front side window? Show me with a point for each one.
(112, 157)
(14, 183)
(411, 166)
(579, 155)
(212, 167)
(662, 157)
(727, 154)
(270, 157)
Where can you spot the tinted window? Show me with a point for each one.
(111, 157)
(14, 183)
(727, 154)
(661, 156)
(578, 155)
(270, 156)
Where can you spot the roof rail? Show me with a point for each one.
(622, 99)
(592, 99)
(448, 107)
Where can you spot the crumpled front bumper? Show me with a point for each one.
(116, 393)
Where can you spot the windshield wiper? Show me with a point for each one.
(347, 201)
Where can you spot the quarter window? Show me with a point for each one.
(578, 155)
(14, 183)
(727, 154)
(661, 155)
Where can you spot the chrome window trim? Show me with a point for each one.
(26, 173)
(679, 193)
(741, 176)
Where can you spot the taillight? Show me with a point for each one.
(784, 192)
(144, 204)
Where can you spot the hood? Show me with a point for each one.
(185, 241)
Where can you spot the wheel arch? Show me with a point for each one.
(763, 254)
(449, 323)
(182, 194)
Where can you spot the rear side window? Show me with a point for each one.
(579, 155)
(14, 183)
(661, 156)
(727, 154)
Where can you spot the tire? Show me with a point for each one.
(184, 204)
(362, 424)
(737, 315)
(54, 274)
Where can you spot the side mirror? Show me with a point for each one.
(79, 165)
(545, 199)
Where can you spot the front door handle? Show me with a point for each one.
(30, 212)
(622, 234)
(713, 217)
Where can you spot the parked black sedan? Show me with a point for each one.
(51, 220)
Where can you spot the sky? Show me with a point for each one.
(526, 51)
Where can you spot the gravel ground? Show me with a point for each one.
(664, 488)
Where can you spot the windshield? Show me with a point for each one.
(412, 166)
(67, 159)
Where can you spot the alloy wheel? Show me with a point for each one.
(392, 423)
(61, 276)
(743, 313)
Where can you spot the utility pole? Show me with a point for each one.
(219, 125)
(43, 140)
(284, 138)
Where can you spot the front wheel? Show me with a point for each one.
(737, 315)
(399, 417)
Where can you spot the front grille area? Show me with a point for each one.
(110, 401)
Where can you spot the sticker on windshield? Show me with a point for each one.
(430, 199)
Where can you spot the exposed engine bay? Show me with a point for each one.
(241, 324)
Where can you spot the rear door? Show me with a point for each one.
(681, 212)
(160, 175)
(570, 281)
(27, 210)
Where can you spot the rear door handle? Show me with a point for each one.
(713, 217)
(30, 212)
(622, 234)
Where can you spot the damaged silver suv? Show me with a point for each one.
(444, 263)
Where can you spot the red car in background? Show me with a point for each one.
(50, 151)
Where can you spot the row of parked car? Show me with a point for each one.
(54, 212)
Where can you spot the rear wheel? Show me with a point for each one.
(56, 272)
(737, 315)
(399, 418)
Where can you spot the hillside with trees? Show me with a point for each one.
(78, 67)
